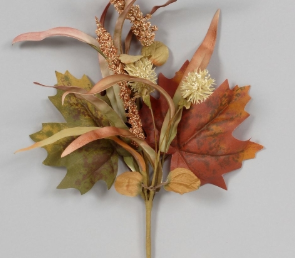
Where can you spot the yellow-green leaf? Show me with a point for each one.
(158, 53)
(97, 160)
(113, 93)
(77, 112)
(129, 59)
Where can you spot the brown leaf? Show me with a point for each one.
(204, 142)
(155, 8)
(104, 14)
(128, 40)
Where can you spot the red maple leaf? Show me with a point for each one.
(204, 143)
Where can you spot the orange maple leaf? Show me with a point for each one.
(204, 142)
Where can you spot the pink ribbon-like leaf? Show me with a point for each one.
(59, 31)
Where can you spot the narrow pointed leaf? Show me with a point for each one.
(128, 40)
(60, 135)
(104, 13)
(110, 114)
(59, 31)
(119, 27)
(155, 8)
(130, 162)
(102, 133)
(110, 132)
(203, 54)
(99, 133)
(113, 93)
(128, 59)
(200, 60)
(140, 161)
(169, 85)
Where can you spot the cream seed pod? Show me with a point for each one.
(143, 68)
(197, 87)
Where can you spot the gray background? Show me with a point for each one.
(253, 219)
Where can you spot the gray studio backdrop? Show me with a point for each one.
(253, 219)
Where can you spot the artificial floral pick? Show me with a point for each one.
(191, 120)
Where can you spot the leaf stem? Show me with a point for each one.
(148, 207)
(167, 133)
(155, 134)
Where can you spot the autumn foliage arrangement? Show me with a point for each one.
(192, 120)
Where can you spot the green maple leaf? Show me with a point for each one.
(95, 161)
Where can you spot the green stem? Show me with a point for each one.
(149, 206)
(155, 134)
(167, 134)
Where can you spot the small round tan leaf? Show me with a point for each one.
(128, 59)
(129, 183)
(157, 52)
(182, 181)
